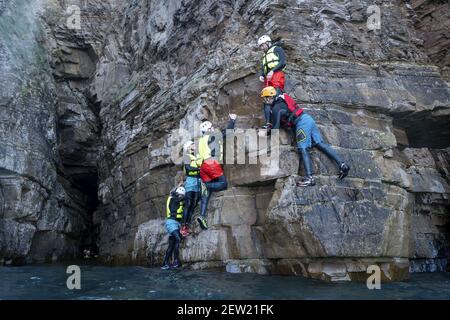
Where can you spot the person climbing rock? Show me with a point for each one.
(192, 184)
(306, 132)
(272, 70)
(211, 172)
(279, 110)
(174, 212)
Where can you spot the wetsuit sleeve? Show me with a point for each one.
(230, 126)
(212, 138)
(282, 63)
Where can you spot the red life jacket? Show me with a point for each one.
(292, 107)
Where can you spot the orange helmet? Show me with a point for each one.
(268, 92)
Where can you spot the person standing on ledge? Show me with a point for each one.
(192, 184)
(306, 132)
(174, 214)
(272, 71)
(211, 172)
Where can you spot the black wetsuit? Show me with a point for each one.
(192, 197)
(174, 235)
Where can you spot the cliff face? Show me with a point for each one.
(432, 21)
(49, 130)
(139, 70)
(36, 210)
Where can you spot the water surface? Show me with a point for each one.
(100, 282)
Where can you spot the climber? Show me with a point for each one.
(211, 172)
(192, 184)
(175, 210)
(279, 109)
(306, 132)
(272, 70)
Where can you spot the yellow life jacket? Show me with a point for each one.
(195, 163)
(270, 60)
(179, 210)
(205, 151)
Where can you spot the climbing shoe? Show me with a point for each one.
(165, 267)
(184, 231)
(267, 126)
(343, 170)
(203, 223)
(176, 265)
(307, 182)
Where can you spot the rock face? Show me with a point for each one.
(49, 131)
(39, 220)
(432, 20)
(121, 88)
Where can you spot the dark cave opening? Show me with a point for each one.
(425, 129)
(78, 147)
(87, 184)
(78, 168)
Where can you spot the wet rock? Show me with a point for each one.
(16, 238)
(112, 94)
(48, 131)
(248, 266)
(367, 90)
(431, 20)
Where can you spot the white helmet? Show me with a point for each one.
(181, 191)
(265, 38)
(205, 126)
(187, 145)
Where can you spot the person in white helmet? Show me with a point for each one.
(174, 214)
(272, 71)
(211, 172)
